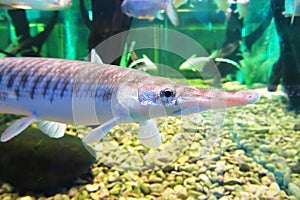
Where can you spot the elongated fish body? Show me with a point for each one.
(49, 87)
(56, 91)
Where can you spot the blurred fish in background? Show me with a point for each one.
(292, 9)
(36, 4)
(151, 9)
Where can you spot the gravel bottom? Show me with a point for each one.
(250, 152)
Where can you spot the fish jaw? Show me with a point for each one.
(194, 99)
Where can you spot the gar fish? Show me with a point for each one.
(54, 92)
(37, 4)
(151, 9)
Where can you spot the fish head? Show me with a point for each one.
(155, 97)
(148, 98)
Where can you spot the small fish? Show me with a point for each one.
(223, 5)
(292, 9)
(36, 4)
(53, 92)
(195, 63)
(151, 9)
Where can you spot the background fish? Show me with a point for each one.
(151, 9)
(292, 9)
(37, 4)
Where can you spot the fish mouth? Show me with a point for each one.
(196, 100)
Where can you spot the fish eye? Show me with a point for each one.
(167, 95)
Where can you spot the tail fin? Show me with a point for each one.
(172, 14)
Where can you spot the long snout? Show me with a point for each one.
(195, 99)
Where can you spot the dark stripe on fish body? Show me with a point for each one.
(107, 93)
(60, 78)
(65, 83)
(35, 84)
(46, 87)
(54, 90)
(24, 80)
(39, 80)
(12, 78)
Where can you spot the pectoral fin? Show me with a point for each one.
(98, 133)
(149, 135)
(52, 129)
(16, 128)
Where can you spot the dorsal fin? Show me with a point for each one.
(95, 58)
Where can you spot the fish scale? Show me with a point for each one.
(54, 78)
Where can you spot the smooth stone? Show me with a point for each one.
(274, 187)
(244, 167)
(218, 192)
(72, 192)
(6, 188)
(220, 166)
(154, 179)
(169, 194)
(145, 188)
(61, 197)
(180, 192)
(25, 198)
(92, 187)
(156, 187)
(232, 181)
(204, 178)
(116, 190)
(266, 148)
(168, 168)
(190, 168)
(182, 159)
(179, 180)
(104, 193)
(190, 180)
(266, 181)
(295, 167)
(46, 164)
(196, 194)
(294, 190)
(254, 181)
(82, 195)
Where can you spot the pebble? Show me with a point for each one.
(218, 192)
(72, 192)
(145, 188)
(180, 192)
(266, 181)
(27, 198)
(116, 190)
(244, 167)
(232, 181)
(154, 179)
(92, 187)
(274, 188)
(294, 190)
(204, 178)
(156, 187)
